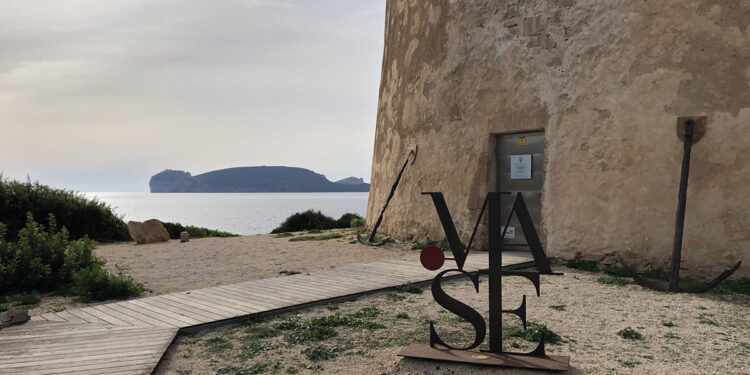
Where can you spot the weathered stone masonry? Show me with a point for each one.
(606, 81)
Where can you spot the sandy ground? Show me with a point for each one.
(682, 333)
(173, 266)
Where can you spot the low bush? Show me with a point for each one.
(534, 333)
(80, 215)
(42, 260)
(409, 288)
(24, 298)
(630, 334)
(345, 221)
(47, 260)
(311, 220)
(357, 223)
(96, 284)
(175, 229)
(615, 280)
(322, 352)
(616, 271)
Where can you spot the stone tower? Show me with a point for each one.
(602, 82)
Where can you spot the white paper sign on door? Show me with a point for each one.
(510, 233)
(520, 167)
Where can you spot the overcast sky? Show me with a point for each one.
(100, 95)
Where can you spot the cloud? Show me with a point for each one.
(91, 85)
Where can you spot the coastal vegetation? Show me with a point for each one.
(47, 260)
(175, 229)
(316, 220)
(81, 216)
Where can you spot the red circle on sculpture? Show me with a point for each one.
(432, 258)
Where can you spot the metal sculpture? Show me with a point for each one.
(432, 258)
(371, 239)
(689, 132)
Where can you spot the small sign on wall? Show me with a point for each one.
(520, 167)
(510, 233)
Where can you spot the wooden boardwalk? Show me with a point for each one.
(129, 337)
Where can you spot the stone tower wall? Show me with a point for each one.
(606, 81)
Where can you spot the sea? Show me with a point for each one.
(239, 213)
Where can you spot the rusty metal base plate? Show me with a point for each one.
(550, 362)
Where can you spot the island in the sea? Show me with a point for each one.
(252, 180)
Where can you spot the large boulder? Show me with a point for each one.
(148, 231)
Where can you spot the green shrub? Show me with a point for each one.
(345, 221)
(534, 332)
(740, 286)
(616, 271)
(80, 215)
(630, 334)
(24, 298)
(311, 220)
(322, 352)
(409, 288)
(96, 284)
(357, 223)
(175, 229)
(583, 265)
(618, 281)
(42, 260)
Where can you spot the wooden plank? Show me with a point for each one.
(186, 321)
(263, 292)
(55, 367)
(145, 315)
(113, 311)
(53, 318)
(271, 302)
(380, 276)
(261, 304)
(73, 353)
(213, 300)
(69, 317)
(57, 333)
(64, 346)
(334, 282)
(86, 316)
(198, 314)
(249, 308)
(301, 293)
(223, 311)
(143, 364)
(365, 279)
(63, 360)
(353, 284)
(105, 317)
(322, 276)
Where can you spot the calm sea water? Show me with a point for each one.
(241, 213)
